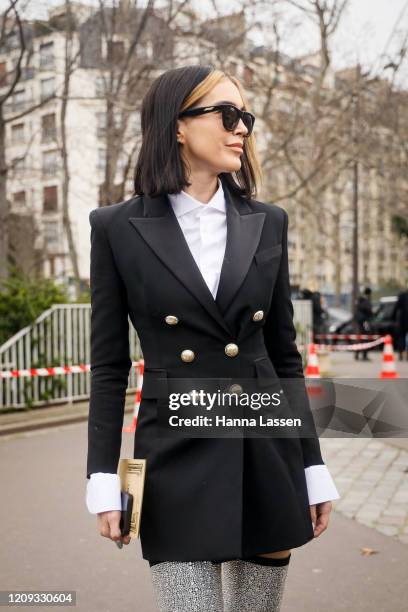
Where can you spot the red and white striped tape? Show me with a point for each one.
(52, 371)
(77, 369)
(138, 397)
(348, 347)
(347, 336)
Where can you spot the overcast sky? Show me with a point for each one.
(363, 34)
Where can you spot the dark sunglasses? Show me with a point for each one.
(230, 116)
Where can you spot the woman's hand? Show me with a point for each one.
(320, 517)
(108, 525)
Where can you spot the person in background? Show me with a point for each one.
(319, 313)
(362, 317)
(400, 315)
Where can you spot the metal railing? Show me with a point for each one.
(58, 337)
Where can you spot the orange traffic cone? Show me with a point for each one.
(312, 369)
(138, 395)
(388, 362)
(314, 389)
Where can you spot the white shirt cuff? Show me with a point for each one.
(320, 485)
(103, 492)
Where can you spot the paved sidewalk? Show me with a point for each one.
(331, 573)
(344, 364)
(51, 416)
(372, 479)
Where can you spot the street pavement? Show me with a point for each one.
(370, 474)
(50, 541)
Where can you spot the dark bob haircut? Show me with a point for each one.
(159, 168)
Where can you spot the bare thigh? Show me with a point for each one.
(279, 554)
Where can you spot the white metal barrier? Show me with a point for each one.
(59, 336)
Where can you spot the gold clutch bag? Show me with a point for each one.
(132, 474)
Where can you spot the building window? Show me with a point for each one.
(19, 198)
(47, 55)
(18, 166)
(3, 74)
(145, 49)
(47, 88)
(19, 99)
(101, 163)
(50, 234)
(101, 123)
(50, 163)
(115, 51)
(17, 133)
(100, 86)
(50, 199)
(13, 41)
(48, 128)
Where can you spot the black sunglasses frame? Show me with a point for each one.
(193, 112)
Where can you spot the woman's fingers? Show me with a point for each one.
(322, 517)
(313, 515)
(108, 524)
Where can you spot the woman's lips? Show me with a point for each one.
(236, 147)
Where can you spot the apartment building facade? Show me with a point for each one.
(36, 175)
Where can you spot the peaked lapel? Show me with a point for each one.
(160, 229)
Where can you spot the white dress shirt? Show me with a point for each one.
(204, 226)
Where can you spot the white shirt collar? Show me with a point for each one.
(183, 203)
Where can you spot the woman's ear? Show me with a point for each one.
(180, 132)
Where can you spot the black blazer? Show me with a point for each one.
(205, 498)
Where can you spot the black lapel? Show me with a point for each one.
(244, 228)
(160, 229)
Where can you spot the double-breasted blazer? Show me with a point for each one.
(205, 498)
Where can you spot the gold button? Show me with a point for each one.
(231, 350)
(171, 320)
(258, 315)
(235, 388)
(187, 355)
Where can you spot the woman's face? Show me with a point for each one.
(204, 142)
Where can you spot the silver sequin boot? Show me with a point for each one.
(187, 586)
(250, 586)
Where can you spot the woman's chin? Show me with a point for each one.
(231, 167)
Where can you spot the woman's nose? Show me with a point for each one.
(241, 128)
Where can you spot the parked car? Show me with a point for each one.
(337, 317)
(381, 323)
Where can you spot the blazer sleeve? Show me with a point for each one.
(280, 336)
(110, 359)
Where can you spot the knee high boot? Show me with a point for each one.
(255, 584)
(187, 586)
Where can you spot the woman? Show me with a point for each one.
(202, 270)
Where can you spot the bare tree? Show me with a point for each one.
(70, 62)
(142, 42)
(324, 131)
(12, 27)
